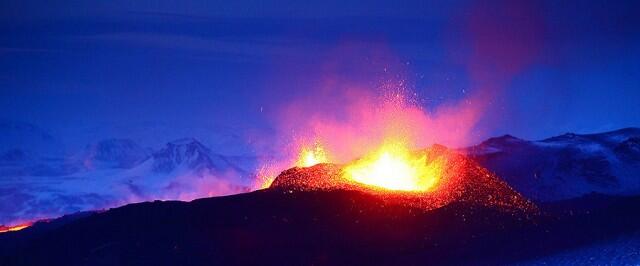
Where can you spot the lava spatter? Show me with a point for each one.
(457, 179)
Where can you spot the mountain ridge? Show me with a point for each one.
(545, 170)
(565, 166)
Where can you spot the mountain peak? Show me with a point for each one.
(115, 153)
(185, 153)
(502, 140)
(615, 136)
(185, 141)
(569, 136)
(507, 137)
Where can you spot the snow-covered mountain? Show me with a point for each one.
(114, 153)
(184, 154)
(189, 153)
(565, 166)
(113, 172)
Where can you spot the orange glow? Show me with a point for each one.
(312, 156)
(265, 176)
(383, 126)
(394, 167)
(266, 182)
(426, 179)
(308, 156)
(19, 227)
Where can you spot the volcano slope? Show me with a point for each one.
(308, 216)
(458, 180)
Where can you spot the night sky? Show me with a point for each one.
(115, 66)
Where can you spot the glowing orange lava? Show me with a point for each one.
(394, 167)
(19, 227)
(310, 156)
(307, 157)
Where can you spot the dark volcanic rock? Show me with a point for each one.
(320, 176)
(272, 227)
(461, 180)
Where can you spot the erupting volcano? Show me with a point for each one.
(428, 179)
(371, 147)
(319, 132)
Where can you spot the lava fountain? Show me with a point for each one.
(310, 156)
(394, 167)
(381, 131)
(426, 179)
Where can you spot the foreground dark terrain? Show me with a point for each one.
(276, 226)
(310, 216)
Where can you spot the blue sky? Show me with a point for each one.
(550, 67)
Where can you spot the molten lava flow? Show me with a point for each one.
(19, 227)
(312, 156)
(394, 167)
